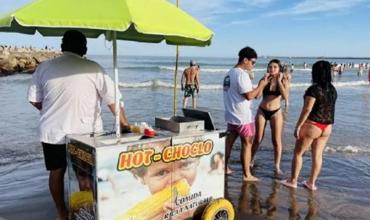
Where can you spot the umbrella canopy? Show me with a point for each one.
(136, 20)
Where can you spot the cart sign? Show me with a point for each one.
(160, 178)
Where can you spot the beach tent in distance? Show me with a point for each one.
(151, 21)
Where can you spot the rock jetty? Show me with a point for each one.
(23, 60)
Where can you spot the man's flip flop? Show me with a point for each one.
(305, 184)
(288, 184)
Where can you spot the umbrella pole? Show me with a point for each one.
(175, 78)
(175, 82)
(116, 88)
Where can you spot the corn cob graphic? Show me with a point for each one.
(80, 199)
(153, 205)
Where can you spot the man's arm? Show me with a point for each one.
(258, 90)
(182, 80)
(267, 75)
(37, 105)
(196, 81)
(122, 118)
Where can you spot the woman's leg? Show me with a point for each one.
(307, 134)
(318, 146)
(276, 124)
(260, 123)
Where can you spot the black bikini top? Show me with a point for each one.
(267, 91)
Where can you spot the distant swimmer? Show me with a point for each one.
(360, 70)
(368, 75)
(304, 65)
(339, 68)
(191, 83)
(335, 69)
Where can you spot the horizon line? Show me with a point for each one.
(262, 56)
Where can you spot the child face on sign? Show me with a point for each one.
(85, 182)
(160, 175)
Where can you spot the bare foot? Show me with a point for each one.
(250, 178)
(278, 172)
(309, 186)
(289, 183)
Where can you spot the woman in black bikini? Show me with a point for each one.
(314, 124)
(269, 110)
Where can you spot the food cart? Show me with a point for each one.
(109, 179)
(177, 174)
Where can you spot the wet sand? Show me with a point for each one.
(25, 194)
(342, 189)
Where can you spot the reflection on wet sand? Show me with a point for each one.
(312, 207)
(278, 204)
(271, 201)
(249, 201)
(294, 208)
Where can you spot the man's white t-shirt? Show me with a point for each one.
(71, 89)
(237, 107)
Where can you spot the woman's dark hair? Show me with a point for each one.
(277, 62)
(321, 73)
(247, 52)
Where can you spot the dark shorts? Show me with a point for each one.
(189, 90)
(55, 156)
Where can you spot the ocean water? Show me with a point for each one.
(345, 178)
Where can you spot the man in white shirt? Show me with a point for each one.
(68, 91)
(238, 92)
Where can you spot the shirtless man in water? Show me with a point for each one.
(191, 75)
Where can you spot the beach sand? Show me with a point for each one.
(27, 196)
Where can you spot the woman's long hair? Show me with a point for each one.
(321, 73)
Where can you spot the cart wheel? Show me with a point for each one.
(219, 209)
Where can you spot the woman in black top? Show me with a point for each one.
(315, 124)
(269, 110)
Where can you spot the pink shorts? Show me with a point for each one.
(244, 130)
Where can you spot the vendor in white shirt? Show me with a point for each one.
(68, 91)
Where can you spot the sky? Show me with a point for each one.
(329, 28)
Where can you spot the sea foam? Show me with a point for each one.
(162, 84)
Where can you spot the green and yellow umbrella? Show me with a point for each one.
(150, 21)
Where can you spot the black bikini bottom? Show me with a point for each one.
(268, 114)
